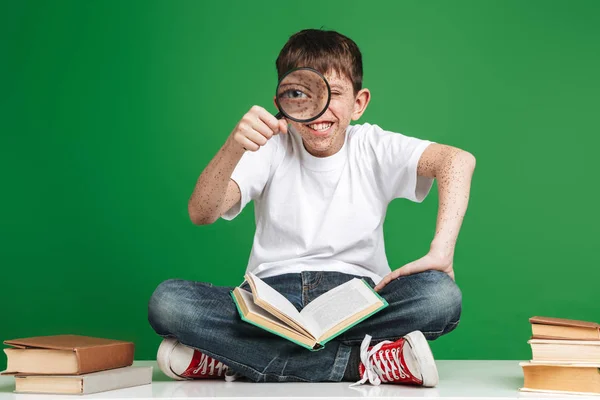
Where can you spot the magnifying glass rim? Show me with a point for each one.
(326, 104)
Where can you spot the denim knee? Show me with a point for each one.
(164, 305)
(440, 305)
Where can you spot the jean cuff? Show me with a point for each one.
(340, 363)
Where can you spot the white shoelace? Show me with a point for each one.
(231, 376)
(383, 369)
(216, 367)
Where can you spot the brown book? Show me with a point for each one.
(567, 378)
(559, 328)
(66, 355)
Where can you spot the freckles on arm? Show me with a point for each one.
(453, 169)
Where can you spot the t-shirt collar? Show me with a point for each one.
(319, 163)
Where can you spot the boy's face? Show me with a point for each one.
(325, 136)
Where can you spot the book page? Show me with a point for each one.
(338, 304)
(258, 316)
(253, 308)
(276, 300)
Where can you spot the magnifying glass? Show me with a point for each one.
(302, 95)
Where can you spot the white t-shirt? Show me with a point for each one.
(327, 213)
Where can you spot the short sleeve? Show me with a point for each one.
(252, 174)
(396, 160)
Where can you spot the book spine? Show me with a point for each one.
(317, 345)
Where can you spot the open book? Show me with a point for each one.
(321, 320)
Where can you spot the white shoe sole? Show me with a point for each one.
(163, 356)
(423, 354)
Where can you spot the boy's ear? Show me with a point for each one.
(275, 102)
(360, 103)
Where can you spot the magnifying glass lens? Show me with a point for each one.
(303, 95)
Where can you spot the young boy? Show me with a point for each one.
(321, 191)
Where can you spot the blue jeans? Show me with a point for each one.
(204, 317)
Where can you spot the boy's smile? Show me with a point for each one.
(321, 128)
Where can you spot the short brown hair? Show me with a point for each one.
(325, 51)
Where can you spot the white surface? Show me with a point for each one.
(458, 379)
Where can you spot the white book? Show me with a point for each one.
(321, 320)
(582, 351)
(94, 382)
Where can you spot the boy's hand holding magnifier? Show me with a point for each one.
(302, 95)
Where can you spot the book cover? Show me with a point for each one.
(66, 354)
(561, 328)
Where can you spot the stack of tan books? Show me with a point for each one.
(72, 364)
(566, 357)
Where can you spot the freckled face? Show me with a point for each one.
(325, 136)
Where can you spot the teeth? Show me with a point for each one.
(321, 126)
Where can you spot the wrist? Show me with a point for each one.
(442, 248)
(233, 148)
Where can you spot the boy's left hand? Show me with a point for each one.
(431, 261)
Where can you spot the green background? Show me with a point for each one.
(110, 110)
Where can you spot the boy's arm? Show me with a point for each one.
(453, 169)
(215, 192)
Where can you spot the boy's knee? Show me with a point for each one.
(164, 304)
(177, 304)
(440, 305)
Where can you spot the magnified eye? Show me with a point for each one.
(293, 94)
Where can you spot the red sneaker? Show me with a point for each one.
(406, 361)
(181, 362)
